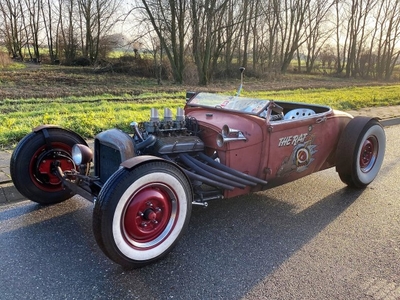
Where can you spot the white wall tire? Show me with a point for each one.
(142, 213)
(370, 155)
(360, 152)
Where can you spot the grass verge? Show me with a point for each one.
(86, 116)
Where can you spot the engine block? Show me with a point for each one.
(171, 135)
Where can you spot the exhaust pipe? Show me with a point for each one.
(222, 167)
(220, 173)
(186, 160)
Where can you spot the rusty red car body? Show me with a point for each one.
(284, 150)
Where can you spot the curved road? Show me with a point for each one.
(310, 239)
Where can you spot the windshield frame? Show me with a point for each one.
(243, 105)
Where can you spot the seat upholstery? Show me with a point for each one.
(298, 113)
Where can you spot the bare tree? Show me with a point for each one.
(257, 42)
(169, 20)
(292, 28)
(51, 26)
(272, 18)
(230, 31)
(97, 18)
(207, 38)
(32, 25)
(248, 7)
(360, 11)
(389, 34)
(339, 20)
(317, 30)
(68, 32)
(12, 27)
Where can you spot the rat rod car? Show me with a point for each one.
(144, 184)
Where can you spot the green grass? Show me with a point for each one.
(91, 115)
(349, 98)
(86, 116)
(13, 66)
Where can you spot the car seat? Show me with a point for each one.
(298, 113)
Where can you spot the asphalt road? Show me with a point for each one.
(310, 239)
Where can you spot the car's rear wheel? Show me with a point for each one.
(360, 152)
(33, 160)
(141, 213)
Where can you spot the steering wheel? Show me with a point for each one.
(276, 108)
(276, 117)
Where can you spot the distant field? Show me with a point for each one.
(88, 103)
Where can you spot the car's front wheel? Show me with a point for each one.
(34, 159)
(360, 152)
(141, 213)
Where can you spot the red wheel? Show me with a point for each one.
(148, 213)
(141, 213)
(368, 154)
(41, 166)
(32, 164)
(360, 152)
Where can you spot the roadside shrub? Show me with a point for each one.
(127, 58)
(130, 65)
(81, 61)
(5, 60)
(190, 75)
